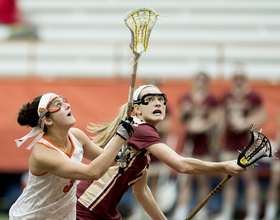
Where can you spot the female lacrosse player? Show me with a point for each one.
(54, 164)
(98, 199)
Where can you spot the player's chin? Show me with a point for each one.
(73, 121)
(158, 117)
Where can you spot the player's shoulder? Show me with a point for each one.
(78, 133)
(141, 124)
(74, 130)
(144, 130)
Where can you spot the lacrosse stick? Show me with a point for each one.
(140, 22)
(258, 148)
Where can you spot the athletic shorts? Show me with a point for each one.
(84, 214)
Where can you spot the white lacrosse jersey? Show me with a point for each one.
(48, 196)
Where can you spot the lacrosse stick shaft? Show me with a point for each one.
(218, 187)
(132, 84)
(140, 23)
(130, 100)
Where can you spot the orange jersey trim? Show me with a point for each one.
(72, 150)
(39, 174)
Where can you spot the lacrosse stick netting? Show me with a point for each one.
(258, 148)
(140, 23)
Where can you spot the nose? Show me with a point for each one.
(67, 104)
(158, 102)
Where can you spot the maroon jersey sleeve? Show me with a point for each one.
(255, 99)
(211, 101)
(144, 135)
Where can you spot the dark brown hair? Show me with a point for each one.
(28, 114)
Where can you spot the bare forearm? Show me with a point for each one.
(190, 165)
(148, 202)
(196, 167)
(101, 164)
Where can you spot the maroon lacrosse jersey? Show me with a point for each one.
(238, 107)
(199, 141)
(101, 197)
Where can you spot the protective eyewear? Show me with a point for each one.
(152, 98)
(56, 103)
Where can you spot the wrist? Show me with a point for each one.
(222, 167)
(119, 135)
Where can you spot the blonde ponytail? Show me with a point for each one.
(108, 130)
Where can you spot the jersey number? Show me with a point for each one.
(68, 187)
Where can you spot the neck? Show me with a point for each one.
(59, 138)
(240, 90)
(141, 119)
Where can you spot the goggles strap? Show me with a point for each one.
(35, 131)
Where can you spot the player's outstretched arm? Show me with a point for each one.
(190, 165)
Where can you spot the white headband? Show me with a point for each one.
(139, 90)
(36, 130)
(44, 102)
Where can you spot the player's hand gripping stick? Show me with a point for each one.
(124, 130)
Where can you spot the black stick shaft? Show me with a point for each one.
(218, 187)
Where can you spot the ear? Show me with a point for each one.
(47, 121)
(137, 110)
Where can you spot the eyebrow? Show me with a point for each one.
(56, 100)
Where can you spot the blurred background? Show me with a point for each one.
(80, 49)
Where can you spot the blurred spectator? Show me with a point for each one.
(272, 201)
(241, 108)
(10, 15)
(199, 116)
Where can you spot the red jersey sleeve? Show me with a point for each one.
(144, 135)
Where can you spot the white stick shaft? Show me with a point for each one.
(132, 84)
(130, 96)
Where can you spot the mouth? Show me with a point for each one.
(157, 112)
(69, 114)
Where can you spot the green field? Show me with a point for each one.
(4, 216)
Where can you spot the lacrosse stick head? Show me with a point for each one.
(258, 148)
(140, 22)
